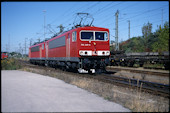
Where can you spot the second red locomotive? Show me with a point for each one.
(4, 55)
(85, 49)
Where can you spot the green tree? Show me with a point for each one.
(162, 44)
(157, 41)
(135, 44)
(146, 31)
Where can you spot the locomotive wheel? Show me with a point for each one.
(98, 71)
(63, 68)
(141, 65)
(90, 72)
(46, 63)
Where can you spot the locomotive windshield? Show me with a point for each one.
(89, 35)
(101, 36)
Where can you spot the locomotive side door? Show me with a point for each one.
(46, 47)
(68, 47)
(40, 51)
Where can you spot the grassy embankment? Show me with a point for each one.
(10, 64)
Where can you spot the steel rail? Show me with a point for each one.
(157, 73)
(157, 88)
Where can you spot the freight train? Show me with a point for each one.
(120, 58)
(84, 49)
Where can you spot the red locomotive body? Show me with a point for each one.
(85, 49)
(4, 55)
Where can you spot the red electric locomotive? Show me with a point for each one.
(4, 55)
(85, 49)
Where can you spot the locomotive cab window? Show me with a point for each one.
(74, 36)
(87, 36)
(101, 36)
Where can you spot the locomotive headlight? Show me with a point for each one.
(81, 52)
(108, 53)
(85, 53)
(103, 53)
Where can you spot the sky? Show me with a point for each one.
(23, 22)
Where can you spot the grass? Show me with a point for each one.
(137, 105)
(153, 66)
(136, 65)
(10, 64)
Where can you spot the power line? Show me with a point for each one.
(106, 6)
(148, 11)
(72, 13)
(89, 8)
(123, 8)
(92, 6)
(109, 7)
(151, 16)
(142, 11)
(68, 11)
(140, 25)
(119, 9)
(101, 13)
(128, 6)
(101, 10)
(77, 10)
(64, 14)
(108, 15)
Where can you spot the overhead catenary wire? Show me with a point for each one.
(98, 12)
(89, 9)
(63, 16)
(106, 7)
(139, 25)
(147, 17)
(73, 14)
(92, 6)
(144, 12)
(112, 16)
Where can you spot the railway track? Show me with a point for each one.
(150, 87)
(143, 71)
(109, 77)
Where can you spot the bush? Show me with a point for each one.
(10, 64)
